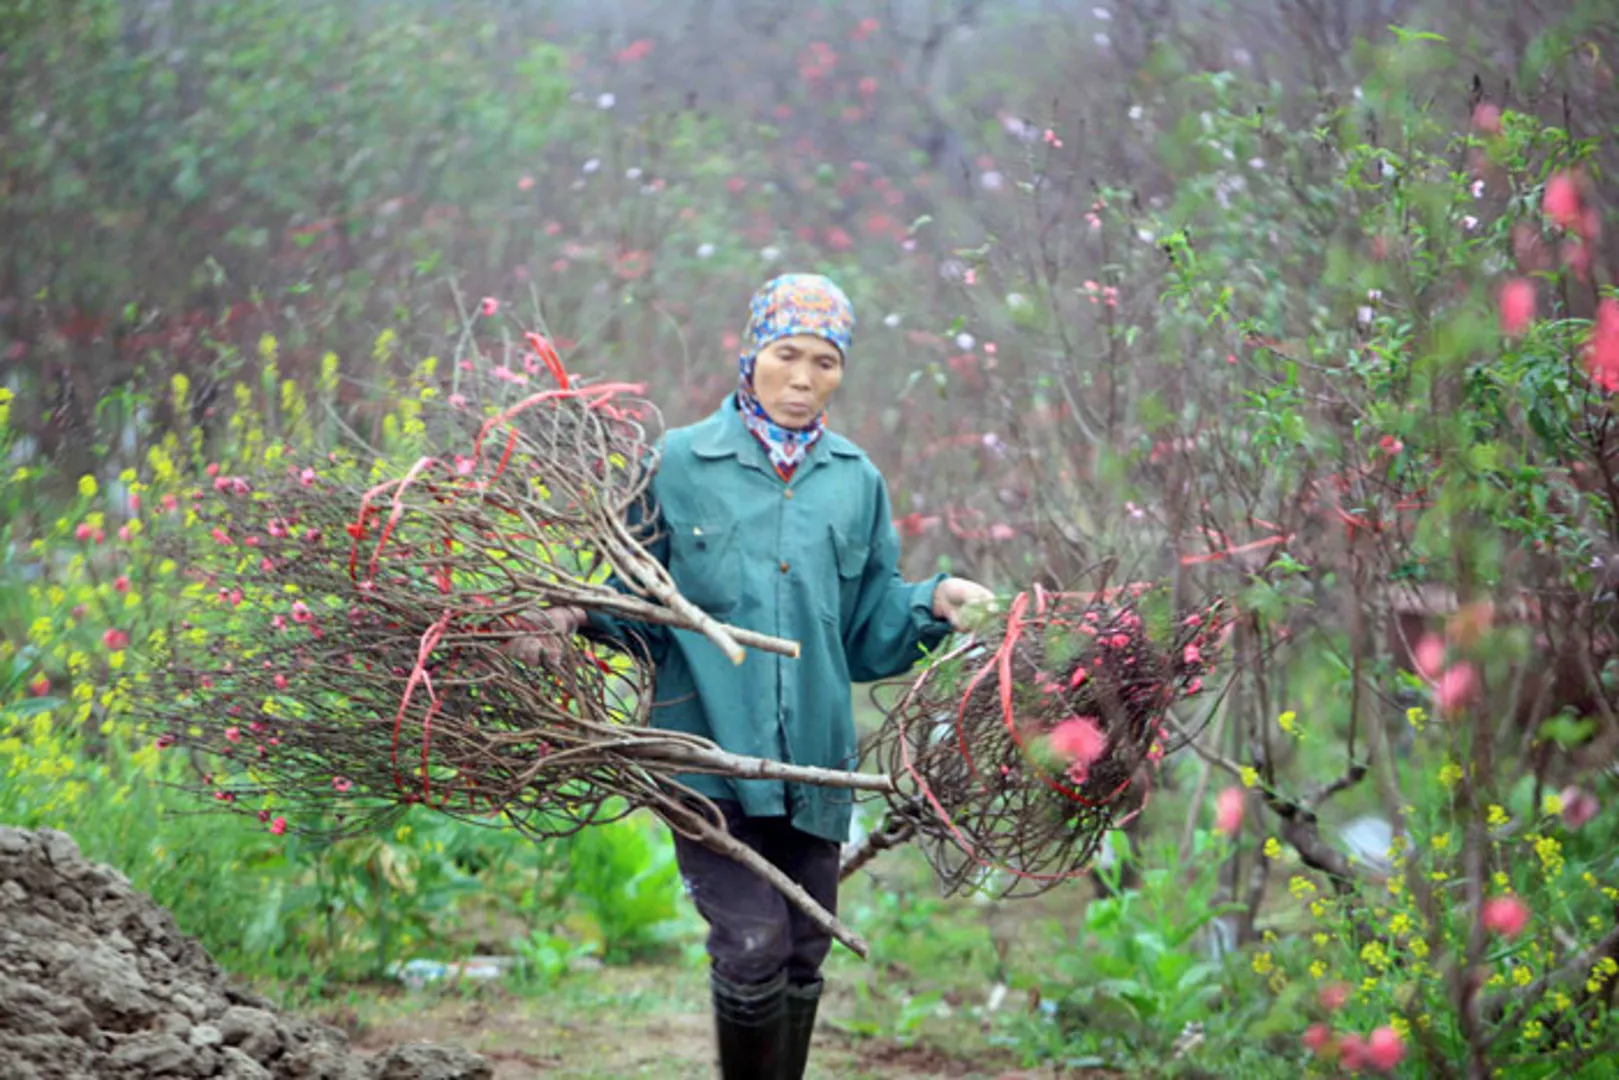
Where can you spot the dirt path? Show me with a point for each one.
(627, 1022)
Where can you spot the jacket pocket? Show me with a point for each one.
(706, 566)
(849, 556)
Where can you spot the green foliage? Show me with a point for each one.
(1134, 975)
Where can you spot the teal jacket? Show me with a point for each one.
(814, 561)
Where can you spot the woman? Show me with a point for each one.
(772, 522)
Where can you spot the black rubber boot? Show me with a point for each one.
(750, 1026)
(802, 1001)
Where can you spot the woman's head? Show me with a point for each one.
(799, 331)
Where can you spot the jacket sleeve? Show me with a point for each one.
(893, 618)
(653, 638)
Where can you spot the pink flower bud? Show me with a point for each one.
(83, 532)
(115, 640)
(278, 826)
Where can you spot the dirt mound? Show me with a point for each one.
(97, 981)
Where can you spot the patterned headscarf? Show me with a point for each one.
(788, 305)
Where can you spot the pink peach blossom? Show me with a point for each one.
(1429, 656)
(1579, 806)
(1504, 915)
(1078, 740)
(1517, 304)
(1229, 808)
(1457, 687)
(1317, 1039)
(1601, 352)
(1561, 202)
(1384, 1050)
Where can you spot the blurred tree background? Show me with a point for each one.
(1215, 288)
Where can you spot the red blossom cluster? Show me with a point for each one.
(1052, 718)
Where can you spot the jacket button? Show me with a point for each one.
(784, 567)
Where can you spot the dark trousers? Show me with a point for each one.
(753, 932)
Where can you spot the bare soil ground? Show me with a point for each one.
(635, 1022)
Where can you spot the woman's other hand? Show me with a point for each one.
(958, 601)
(530, 648)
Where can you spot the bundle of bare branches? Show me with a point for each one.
(1014, 751)
(344, 657)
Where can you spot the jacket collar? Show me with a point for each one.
(722, 434)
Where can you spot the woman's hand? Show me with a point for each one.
(955, 600)
(530, 648)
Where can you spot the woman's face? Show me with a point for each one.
(793, 377)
